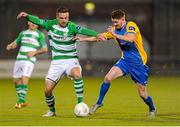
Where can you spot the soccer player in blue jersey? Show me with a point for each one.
(133, 60)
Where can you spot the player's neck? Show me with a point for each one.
(63, 26)
(31, 29)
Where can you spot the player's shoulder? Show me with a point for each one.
(40, 33)
(52, 21)
(72, 24)
(23, 31)
(131, 26)
(131, 23)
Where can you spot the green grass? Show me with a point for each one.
(122, 103)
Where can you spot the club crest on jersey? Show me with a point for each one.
(78, 28)
(131, 28)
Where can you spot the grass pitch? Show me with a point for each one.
(122, 105)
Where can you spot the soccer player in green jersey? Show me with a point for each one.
(61, 34)
(31, 43)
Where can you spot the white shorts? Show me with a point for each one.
(23, 68)
(59, 67)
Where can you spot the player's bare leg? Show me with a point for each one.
(147, 99)
(114, 73)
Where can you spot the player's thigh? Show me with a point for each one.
(18, 70)
(76, 72)
(74, 69)
(114, 73)
(56, 70)
(139, 73)
(27, 69)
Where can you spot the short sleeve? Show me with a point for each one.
(42, 40)
(131, 27)
(108, 35)
(18, 39)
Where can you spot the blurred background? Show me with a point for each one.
(158, 20)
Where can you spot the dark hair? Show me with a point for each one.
(117, 14)
(62, 10)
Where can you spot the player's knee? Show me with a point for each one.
(17, 81)
(108, 79)
(142, 91)
(142, 94)
(49, 86)
(25, 80)
(48, 92)
(77, 76)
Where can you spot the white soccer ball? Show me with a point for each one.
(81, 109)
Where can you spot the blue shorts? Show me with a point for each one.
(138, 71)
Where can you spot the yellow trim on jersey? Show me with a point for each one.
(108, 35)
(132, 28)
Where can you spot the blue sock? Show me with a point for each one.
(149, 102)
(103, 91)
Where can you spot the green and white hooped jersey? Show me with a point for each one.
(61, 38)
(29, 40)
(61, 42)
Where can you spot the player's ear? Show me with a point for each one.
(57, 15)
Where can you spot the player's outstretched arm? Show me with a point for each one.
(101, 37)
(86, 39)
(128, 37)
(22, 14)
(88, 32)
(84, 30)
(38, 52)
(33, 19)
(11, 46)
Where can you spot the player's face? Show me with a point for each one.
(32, 26)
(118, 23)
(63, 18)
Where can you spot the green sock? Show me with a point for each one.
(18, 88)
(22, 93)
(78, 85)
(50, 100)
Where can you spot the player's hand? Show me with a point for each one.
(100, 37)
(9, 47)
(22, 14)
(76, 38)
(31, 54)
